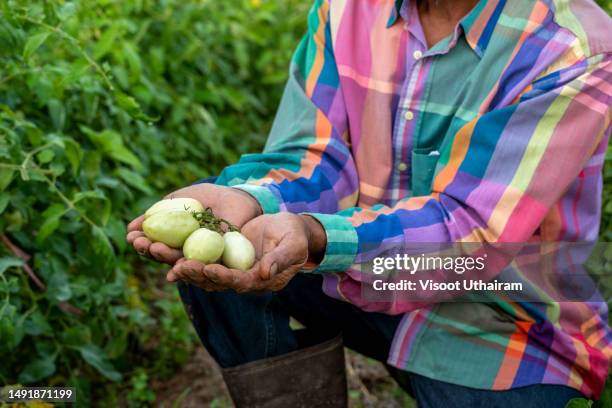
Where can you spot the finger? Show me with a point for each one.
(191, 271)
(163, 253)
(172, 276)
(282, 279)
(194, 273)
(131, 236)
(268, 245)
(290, 251)
(175, 273)
(239, 281)
(142, 245)
(136, 224)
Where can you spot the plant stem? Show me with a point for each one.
(65, 306)
(75, 42)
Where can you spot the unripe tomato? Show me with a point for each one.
(239, 253)
(172, 228)
(204, 245)
(174, 204)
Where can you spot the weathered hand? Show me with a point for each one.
(282, 244)
(228, 203)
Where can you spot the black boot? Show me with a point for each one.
(310, 377)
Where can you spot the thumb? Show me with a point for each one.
(290, 251)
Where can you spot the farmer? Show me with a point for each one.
(412, 121)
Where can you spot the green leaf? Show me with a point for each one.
(37, 325)
(132, 107)
(4, 200)
(107, 41)
(135, 180)
(86, 195)
(122, 154)
(58, 287)
(56, 169)
(133, 60)
(57, 113)
(37, 370)
(111, 143)
(33, 44)
(6, 176)
(102, 247)
(579, 403)
(66, 11)
(8, 262)
(76, 336)
(100, 213)
(73, 153)
(117, 345)
(12, 285)
(608, 251)
(51, 216)
(116, 230)
(45, 156)
(95, 357)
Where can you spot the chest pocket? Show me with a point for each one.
(424, 163)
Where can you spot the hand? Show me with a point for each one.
(283, 244)
(233, 205)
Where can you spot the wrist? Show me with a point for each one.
(317, 239)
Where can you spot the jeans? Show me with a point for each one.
(240, 328)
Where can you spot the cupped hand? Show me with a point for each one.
(233, 205)
(282, 244)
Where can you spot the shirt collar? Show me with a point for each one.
(478, 24)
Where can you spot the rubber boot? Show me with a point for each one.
(310, 377)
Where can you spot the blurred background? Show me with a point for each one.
(104, 106)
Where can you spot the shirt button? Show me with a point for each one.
(417, 55)
(402, 167)
(409, 115)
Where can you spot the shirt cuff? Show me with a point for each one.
(266, 198)
(342, 243)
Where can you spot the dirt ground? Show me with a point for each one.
(199, 384)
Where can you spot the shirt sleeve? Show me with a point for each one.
(497, 179)
(306, 164)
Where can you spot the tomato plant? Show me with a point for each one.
(104, 107)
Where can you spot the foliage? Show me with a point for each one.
(105, 105)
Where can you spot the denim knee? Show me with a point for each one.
(238, 328)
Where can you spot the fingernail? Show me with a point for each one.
(273, 269)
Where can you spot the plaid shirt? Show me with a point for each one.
(495, 134)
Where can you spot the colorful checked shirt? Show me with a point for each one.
(497, 133)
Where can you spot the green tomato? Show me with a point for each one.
(172, 228)
(174, 204)
(239, 253)
(204, 245)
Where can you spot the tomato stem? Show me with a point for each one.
(207, 219)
